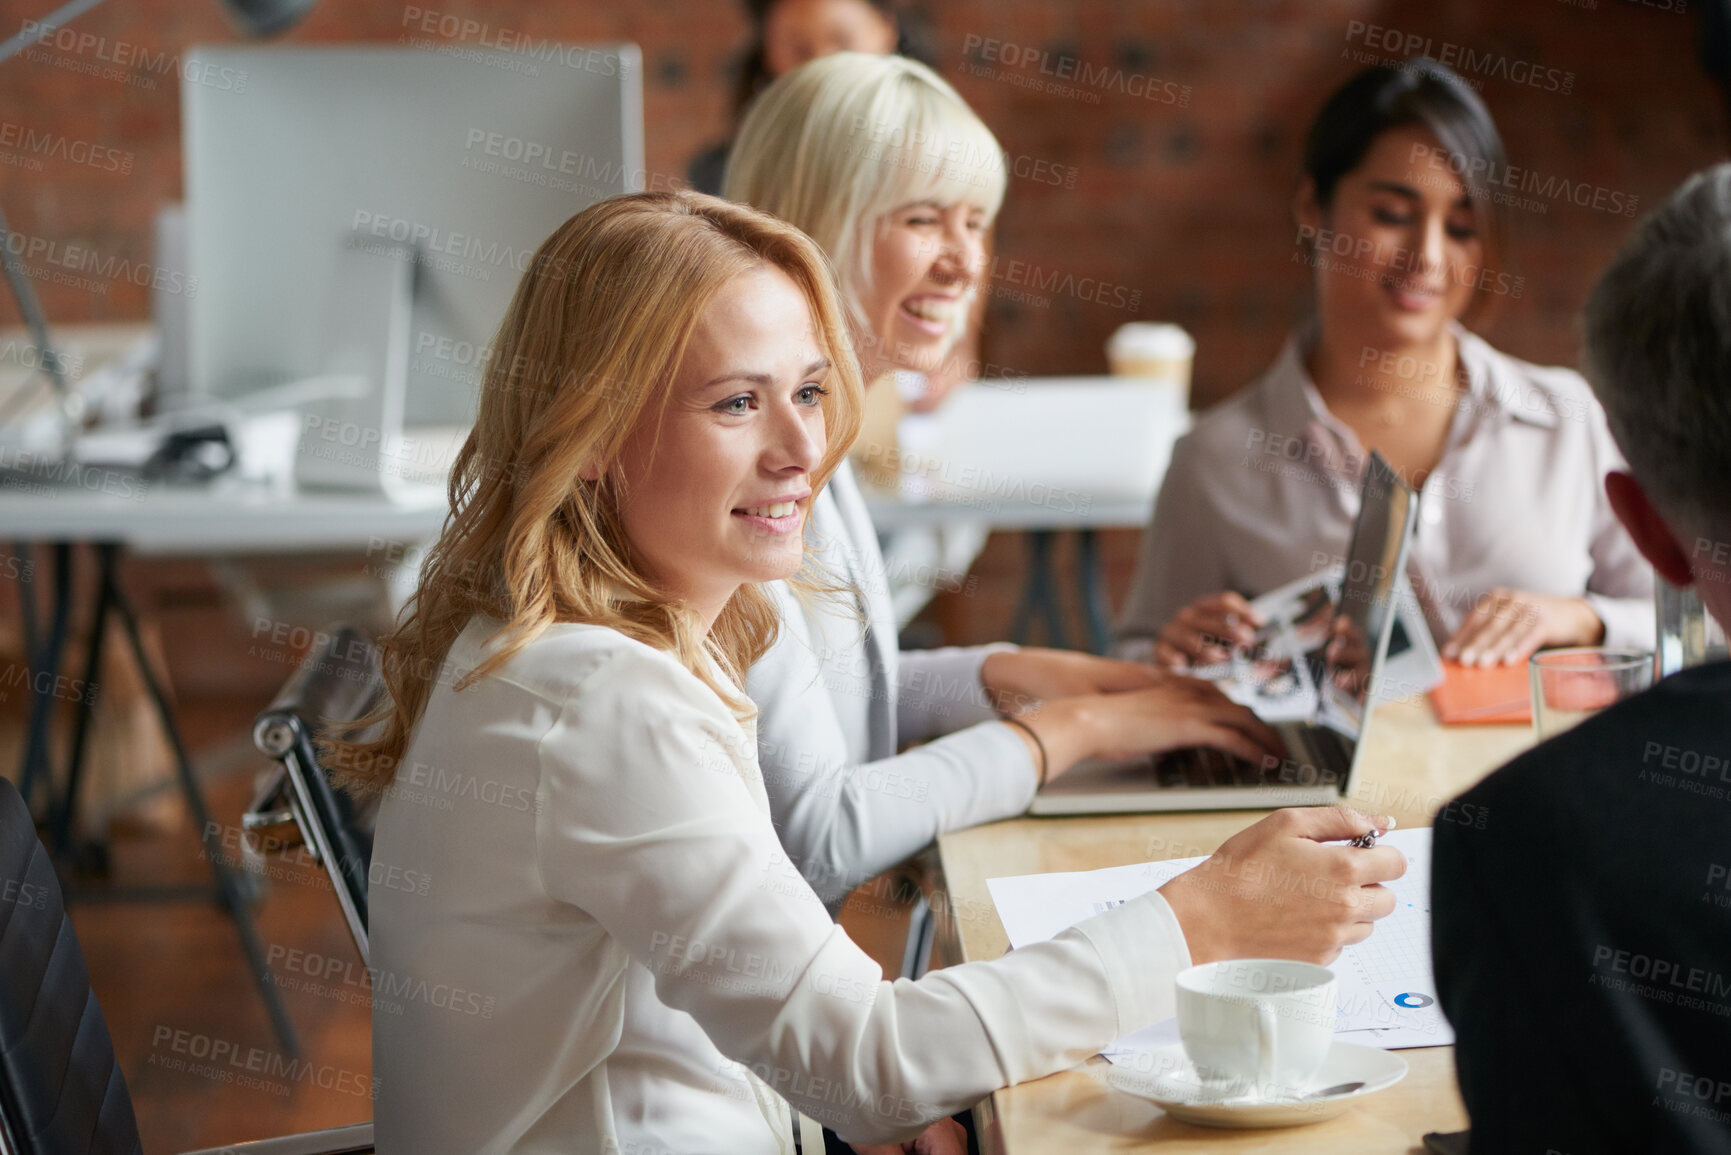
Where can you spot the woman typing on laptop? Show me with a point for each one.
(605, 950)
(886, 167)
(1516, 546)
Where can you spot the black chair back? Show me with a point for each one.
(61, 1091)
(339, 682)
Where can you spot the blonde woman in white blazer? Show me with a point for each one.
(602, 950)
(884, 165)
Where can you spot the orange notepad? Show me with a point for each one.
(1473, 696)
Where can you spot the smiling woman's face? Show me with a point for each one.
(924, 259)
(718, 496)
(1404, 254)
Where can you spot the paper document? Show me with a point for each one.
(1387, 990)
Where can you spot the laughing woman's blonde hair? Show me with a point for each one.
(588, 349)
(842, 140)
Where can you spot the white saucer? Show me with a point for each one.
(1165, 1076)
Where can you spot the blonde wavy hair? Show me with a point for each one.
(843, 140)
(588, 349)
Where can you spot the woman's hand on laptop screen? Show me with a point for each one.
(1204, 632)
(1509, 626)
(1274, 890)
(1173, 712)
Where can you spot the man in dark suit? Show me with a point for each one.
(1583, 932)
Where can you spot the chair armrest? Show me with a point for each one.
(356, 1139)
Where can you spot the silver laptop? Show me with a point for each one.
(1324, 750)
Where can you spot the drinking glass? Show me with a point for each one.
(1572, 684)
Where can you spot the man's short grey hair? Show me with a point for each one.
(1658, 353)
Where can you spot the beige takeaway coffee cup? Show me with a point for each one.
(1154, 351)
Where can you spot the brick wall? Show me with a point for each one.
(1171, 136)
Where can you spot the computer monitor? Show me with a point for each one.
(358, 219)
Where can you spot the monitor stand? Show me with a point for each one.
(352, 436)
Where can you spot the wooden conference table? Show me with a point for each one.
(1413, 767)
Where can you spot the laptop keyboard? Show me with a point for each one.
(1315, 755)
(1204, 766)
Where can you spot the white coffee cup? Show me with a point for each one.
(1256, 1027)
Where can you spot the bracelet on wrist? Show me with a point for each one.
(1038, 744)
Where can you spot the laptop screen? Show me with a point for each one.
(1368, 589)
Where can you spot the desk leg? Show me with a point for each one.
(228, 887)
(67, 805)
(1040, 593)
(44, 660)
(1091, 582)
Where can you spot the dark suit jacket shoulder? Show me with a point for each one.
(1581, 899)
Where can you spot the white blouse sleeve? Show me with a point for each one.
(650, 828)
(844, 817)
(940, 691)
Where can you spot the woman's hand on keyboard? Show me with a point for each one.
(1173, 712)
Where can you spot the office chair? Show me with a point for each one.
(338, 683)
(61, 1090)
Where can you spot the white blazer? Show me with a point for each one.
(835, 698)
(587, 938)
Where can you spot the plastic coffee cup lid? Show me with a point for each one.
(1151, 339)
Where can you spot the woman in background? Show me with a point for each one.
(1516, 546)
(598, 948)
(886, 167)
(787, 33)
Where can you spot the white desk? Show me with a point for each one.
(227, 517)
